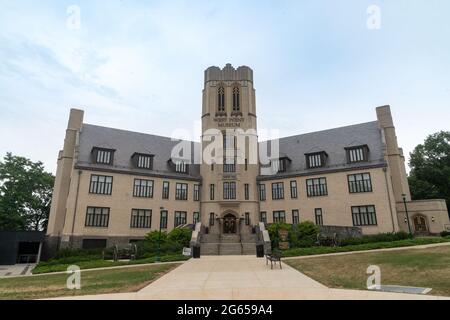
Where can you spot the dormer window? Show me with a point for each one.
(316, 160)
(181, 167)
(103, 156)
(143, 161)
(357, 154)
(280, 165)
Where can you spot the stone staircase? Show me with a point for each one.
(228, 244)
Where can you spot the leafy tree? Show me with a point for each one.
(25, 194)
(430, 168)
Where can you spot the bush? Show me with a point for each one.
(382, 237)
(445, 233)
(304, 235)
(181, 235)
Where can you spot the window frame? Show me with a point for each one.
(370, 218)
(263, 217)
(294, 189)
(262, 192)
(360, 186)
(163, 219)
(104, 222)
(101, 185)
(295, 216)
(137, 189)
(166, 190)
(229, 190)
(181, 191)
(179, 218)
(279, 216)
(317, 190)
(196, 192)
(278, 193)
(318, 217)
(247, 191)
(95, 155)
(138, 222)
(364, 153)
(319, 160)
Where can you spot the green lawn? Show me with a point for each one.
(92, 282)
(428, 268)
(295, 252)
(88, 263)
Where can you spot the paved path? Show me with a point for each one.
(242, 278)
(18, 270)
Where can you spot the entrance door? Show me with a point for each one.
(229, 224)
(420, 224)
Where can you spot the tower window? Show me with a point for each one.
(316, 160)
(221, 99)
(103, 156)
(236, 98)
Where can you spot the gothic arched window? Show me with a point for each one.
(221, 99)
(236, 104)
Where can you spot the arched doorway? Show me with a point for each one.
(420, 224)
(229, 224)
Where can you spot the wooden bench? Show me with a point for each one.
(273, 258)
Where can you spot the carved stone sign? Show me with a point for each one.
(234, 122)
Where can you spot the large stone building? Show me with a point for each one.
(114, 186)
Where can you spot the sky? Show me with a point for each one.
(138, 65)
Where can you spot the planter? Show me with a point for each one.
(283, 235)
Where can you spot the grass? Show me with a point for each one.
(428, 268)
(92, 282)
(83, 263)
(295, 252)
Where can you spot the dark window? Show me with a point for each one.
(221, 99)
(180, 218)
(144, 161)
(229, 190)
(141, 218)
(211, 219)
(89, 244)
(211, 192)
(359, 183)
(229, 165)
(212, 166)
(163, 221)
(165, 190)
(294, 193)
(295, 217)
(181, 191)
(97, 217)
(364, 216)
(143, 188)
(246, 164)
(278, 191)
(196, 217)
(103, 156)
(279, 216)
(247, 218)
(236, 102)
(319, 217)
(316, 160)
(317, 187)
(101, 184)
(262, 192)
(247, 191)
(357, 154)
(263, 217)
(196, 192)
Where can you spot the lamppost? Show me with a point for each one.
(158, 252)
(407, 214)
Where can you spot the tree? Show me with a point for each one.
(430, 168)
(25, 194)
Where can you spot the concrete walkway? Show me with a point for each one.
(242, 278)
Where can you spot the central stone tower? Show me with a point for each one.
(230, 163)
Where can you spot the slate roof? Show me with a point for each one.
(333, 142)
(126, 143)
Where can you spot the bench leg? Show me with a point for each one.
(280, 265)
(271, 264)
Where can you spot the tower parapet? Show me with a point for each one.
(229, 73)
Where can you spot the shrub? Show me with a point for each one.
(381, 237)
(153, 237)
(304, 234)
(445, 233)
(180, 235)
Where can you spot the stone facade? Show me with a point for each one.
(229, 106)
